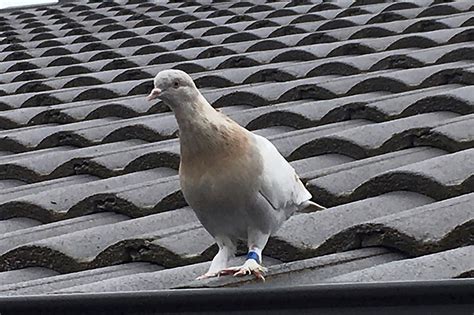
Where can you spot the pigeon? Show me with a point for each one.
(237, 183)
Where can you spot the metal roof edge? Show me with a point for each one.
(408, 297)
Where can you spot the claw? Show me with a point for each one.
(259, 275)
(248, 268)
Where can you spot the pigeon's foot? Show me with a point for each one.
(207, 275)
(249, 267)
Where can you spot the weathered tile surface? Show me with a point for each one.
(371, 103)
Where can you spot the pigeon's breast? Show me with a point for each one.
(229, 182)
(221, 184)
(221, 200)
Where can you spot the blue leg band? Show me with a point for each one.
(254, 256)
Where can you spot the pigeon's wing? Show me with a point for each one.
(280, 185)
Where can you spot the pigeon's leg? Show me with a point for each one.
(256, 243)
(220, 261)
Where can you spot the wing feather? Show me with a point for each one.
(280, 185)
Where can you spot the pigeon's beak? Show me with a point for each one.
(155, 93)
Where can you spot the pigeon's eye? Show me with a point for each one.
(176, 84)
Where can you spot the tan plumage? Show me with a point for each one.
(237, 182)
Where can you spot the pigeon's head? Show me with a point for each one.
(174, 87)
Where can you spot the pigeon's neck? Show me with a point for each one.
(195, 114)
(203, 129)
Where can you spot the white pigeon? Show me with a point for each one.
(237, 182)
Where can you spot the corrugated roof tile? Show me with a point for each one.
(370, 101)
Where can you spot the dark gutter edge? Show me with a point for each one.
(410, 297)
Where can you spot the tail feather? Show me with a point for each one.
(311, 206)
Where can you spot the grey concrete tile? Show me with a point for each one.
(446, 97)
(454, 135)
(25, 235)
(102, 245)
(54, 282)
(440, 177)
(435, 227)
(10, 183)
(46, 164)
(340, 184)
(375, 139)
(15, 224)
(324, 232)
(443, 265)
(26, 274)
(120, 194)
(358, 82)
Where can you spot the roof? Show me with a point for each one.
(371, 101)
